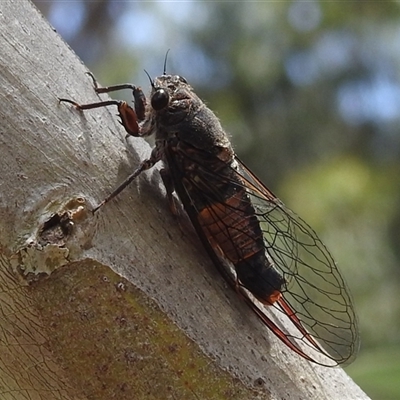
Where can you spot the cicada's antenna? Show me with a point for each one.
(165, 62)
(151, 80)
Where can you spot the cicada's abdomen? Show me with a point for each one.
(233, 230)
(229, 221)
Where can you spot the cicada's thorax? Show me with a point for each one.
(206, 163)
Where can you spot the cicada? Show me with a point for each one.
(271, 257)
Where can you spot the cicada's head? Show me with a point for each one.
(172, 100)
(167, 89)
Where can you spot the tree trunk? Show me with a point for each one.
(121, 304)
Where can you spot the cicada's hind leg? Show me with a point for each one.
(175, 207)
(169, 187)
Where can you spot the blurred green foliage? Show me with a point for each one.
(309, 91)
(377, 371)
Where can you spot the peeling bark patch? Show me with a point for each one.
(47, 247)
(36, 261)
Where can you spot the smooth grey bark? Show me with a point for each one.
(55, 159)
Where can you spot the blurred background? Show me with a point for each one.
(310, 92)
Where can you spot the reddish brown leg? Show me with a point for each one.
(129, 117)
(138, 95)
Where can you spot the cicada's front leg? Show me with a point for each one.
(130, 117)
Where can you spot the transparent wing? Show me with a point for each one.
(315, 315)
(316, 298)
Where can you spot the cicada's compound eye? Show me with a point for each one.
(181, 78)
(160, 99)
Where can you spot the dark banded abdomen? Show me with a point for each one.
(233, 229)
(233, 226)
(228, 218)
